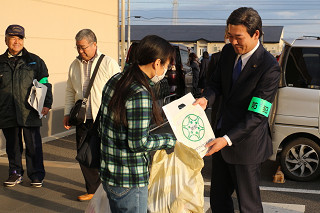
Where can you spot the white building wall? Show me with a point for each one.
(50, 27)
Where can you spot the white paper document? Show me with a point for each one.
(37, 95)
(189, 123)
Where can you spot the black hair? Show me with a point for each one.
(205, 54)
(248, 17)
(192, 56)
(149, 49)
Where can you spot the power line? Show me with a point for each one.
(210, 10)
(222, 19)
(303, 13)
(230, 3)
(224, 2)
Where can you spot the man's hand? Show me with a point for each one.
(202, 102)
(216, 145)
(45, 111)
(66, 122)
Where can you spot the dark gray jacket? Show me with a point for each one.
(16, 77)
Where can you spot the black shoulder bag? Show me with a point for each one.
(88, 146)
(78, 111)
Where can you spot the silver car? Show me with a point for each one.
(295, 117)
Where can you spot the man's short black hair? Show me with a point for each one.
(248, 17)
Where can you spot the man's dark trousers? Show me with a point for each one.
(226, 178)
(91, 175)
(34, 153)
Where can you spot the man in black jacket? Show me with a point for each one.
(247, 78)
(18, 69)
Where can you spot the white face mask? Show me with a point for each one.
(155, 79)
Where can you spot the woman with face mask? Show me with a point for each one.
(128, 106)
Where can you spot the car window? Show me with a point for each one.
(161, 89)
(184, 57)
(303, 68)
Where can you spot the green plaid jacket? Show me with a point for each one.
(125, 150)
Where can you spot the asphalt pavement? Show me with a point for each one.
(61, 186)
(64, 182)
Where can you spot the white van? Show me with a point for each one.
(295, 117)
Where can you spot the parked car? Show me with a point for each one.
(295, 115)
(180, 76)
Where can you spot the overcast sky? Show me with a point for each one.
(298, 17)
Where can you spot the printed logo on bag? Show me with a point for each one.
(193, 127)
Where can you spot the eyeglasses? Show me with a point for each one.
(82, 48)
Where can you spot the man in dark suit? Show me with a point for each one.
(247, 79)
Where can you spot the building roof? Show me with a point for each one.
(193, 33)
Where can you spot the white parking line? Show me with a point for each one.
(282, 207)
(267, 207)
(272, 207)
(278, 189)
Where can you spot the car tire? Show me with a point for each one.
(300, 160)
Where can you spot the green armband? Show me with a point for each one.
(260, 106)
(44, 80)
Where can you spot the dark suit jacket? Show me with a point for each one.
(249, 131)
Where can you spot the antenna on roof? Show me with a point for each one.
(174, 12)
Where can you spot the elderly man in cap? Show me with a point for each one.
(18, 69)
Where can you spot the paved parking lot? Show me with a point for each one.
(64, 182)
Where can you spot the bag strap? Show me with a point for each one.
(85, 98)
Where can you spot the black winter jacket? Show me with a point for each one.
(16, 77)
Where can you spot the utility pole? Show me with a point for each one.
(123, 24)
(129, 39)
(175, 12)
